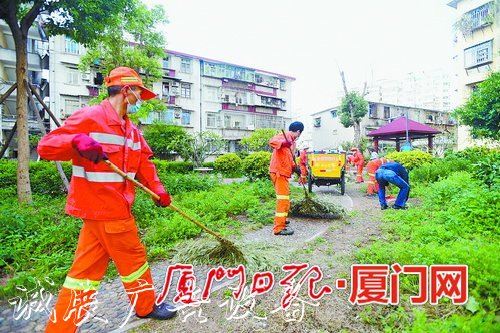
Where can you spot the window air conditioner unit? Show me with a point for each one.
(86, 76)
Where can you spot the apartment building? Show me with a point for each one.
(428, 89)
(328, 132)
(478, 49)
(37, 61)
(231, 100)
(200, 94)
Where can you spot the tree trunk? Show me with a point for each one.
(23, 148)
(357, 133)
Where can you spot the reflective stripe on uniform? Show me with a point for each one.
(371, 182)
(371, 174)
(100, 177)
(283, 197)
(135, 275)
(281, 214)
(77, 284)
(115, 140)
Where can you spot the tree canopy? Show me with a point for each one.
(196, 147)
(86, 22)
(482, 110)
(164, 139)
(259, 139)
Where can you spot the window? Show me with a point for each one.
(72, 76)
(373, 110)
(333, 113)
(169, 116)
(387, 112)
(186, 118)
(32, 45)
(212, 94)
(166, 62)
(185, 65)
(317, 122)
(282, 84)
(186, 90)
(71, 46)
(211, 119)
(71, 104)
(478, 55)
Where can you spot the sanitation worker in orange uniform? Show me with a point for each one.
(303, 166)
(359, 162)
(281, 169)
(103, 200)
(371, 168)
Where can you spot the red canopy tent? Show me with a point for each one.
(398, 129)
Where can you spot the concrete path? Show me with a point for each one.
(112, 312)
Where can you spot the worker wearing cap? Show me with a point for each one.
(281, 169)
(103, 200)
(303, 166)
(359, 162)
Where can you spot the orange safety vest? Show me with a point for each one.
(282, 158)
(96, 192)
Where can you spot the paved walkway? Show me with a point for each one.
(112, 311)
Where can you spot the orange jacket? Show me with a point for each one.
(373, 165)
(282, 159)
(359, 159)
(303, 163)
(96, 192)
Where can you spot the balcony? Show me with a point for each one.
(169, 73)
(8, 58)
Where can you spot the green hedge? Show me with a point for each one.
(410, 159)
(228, 165)
(256, 165)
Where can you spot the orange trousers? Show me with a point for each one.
(99, 242)
(372, 182)
(359, 173)
(282, 189)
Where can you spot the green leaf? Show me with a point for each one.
(472, 305)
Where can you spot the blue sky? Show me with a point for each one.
(312, 40)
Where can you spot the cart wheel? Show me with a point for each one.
(342, 184)
(309, 183)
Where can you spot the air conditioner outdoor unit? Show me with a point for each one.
(86, 76)
(174, 91)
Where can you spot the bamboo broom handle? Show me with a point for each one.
(156, 197)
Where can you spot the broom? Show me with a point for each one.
(307, 207)
(226, 248)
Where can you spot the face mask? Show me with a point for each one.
(134, 108)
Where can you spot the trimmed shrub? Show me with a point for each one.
(228, 164)
(256, 165)
(172, 167)
(44, 177)
(410, 159)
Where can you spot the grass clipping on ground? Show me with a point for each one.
(316, 208)
(257, 256)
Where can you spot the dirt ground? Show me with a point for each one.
(331, 248)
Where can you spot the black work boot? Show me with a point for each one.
(163, 311)
(285, 232)
(399, 207)
(287, 222)
(384, 207)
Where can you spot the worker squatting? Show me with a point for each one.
(370, 284)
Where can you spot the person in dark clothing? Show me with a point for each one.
(393, 173)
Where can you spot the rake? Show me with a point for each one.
(307, 207)
(226, 248)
